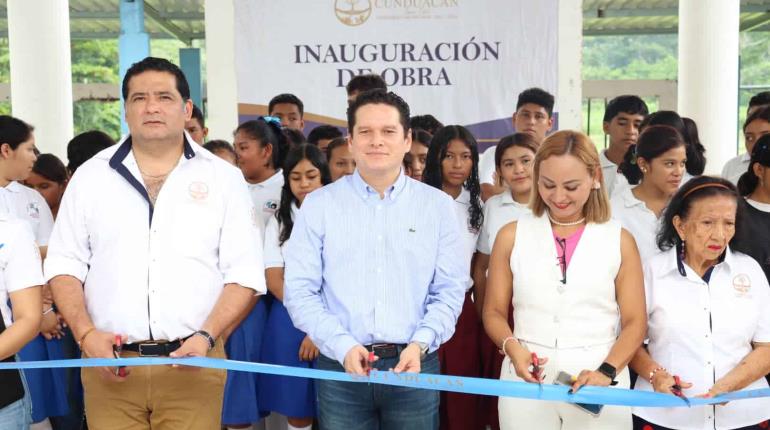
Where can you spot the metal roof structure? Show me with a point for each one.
(183, 19)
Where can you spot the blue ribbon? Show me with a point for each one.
(458, 384)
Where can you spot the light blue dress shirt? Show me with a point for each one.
(364, 270)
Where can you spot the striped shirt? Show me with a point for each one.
(364, 270)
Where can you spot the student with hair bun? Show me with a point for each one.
(654, 167)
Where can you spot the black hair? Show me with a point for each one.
(696, 159)
(220, 145)
(287, 99)
(84, 146)
(759, 154)
(760, 99)
(427, 122)
(762, 114)
(421, 136)
(538, 97)
(197, 114)
(366, 82)
(379, 96)
(323, 131)
(157, 65)
(14, 131)
(50, 167)
(334, 144)
(293, 136)
(523, 140)
(681, 203)
(433, 174)
(629, 104)
(295, 155)
(652, 143)
(267, 132)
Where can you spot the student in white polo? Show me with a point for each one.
(157, 242)
(654, 166)
(756, 126)
(707, 312)
(20, 280)
(574, 279)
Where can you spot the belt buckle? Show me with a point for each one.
(141, 352)
(385, 350)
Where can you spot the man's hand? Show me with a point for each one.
(194, 346)
(409, 360)
(98, 344)
(357, 361)
(307, 350)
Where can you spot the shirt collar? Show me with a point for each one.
(670, 265)
(745, 157)
(124, 148)
(464, 197)
(507, 199)
(605, 162)
(271, 180)
(14, 187)
(365, 191)
(629, 199)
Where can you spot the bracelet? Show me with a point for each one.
(48, 311)
(204, 334)
(502, 347)
(654, 371)
(83, 338)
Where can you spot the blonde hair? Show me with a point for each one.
(580, 146)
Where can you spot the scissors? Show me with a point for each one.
(117, 348)
(537, 370)
(676, 389)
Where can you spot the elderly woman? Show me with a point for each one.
(708, 323)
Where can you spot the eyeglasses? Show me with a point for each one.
(562, 258)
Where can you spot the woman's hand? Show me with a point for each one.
(662, 382)
(521, 360)
(307, 350)
(591, 377)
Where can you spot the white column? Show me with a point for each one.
(708, 74)
(569, 100)
(41, 70)
(221, 88)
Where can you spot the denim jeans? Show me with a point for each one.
(17, 415)
(353, 406)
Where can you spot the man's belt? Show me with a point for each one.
(153, 348)
(386, 350)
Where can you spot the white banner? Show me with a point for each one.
(463, 61)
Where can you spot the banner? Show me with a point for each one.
(463, 61)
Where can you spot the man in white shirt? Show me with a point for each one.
(622, 118)
(156, 244)
(757, 125)
(534, 116)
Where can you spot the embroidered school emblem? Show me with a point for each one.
(742, 283)
(33, 211)
(198, 190)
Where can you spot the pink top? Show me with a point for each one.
(568, 244)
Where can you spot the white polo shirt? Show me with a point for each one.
(487, 166)
(27, 204)
(609, 171)
(156, 272)
(701, 331)
(736, 167)
(266, 196)
(499, 210)
(468, 235)
(20, 264)
(273, 248)
(639, 220)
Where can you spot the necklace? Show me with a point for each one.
(565, 224)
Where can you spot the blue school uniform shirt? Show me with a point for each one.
(361, 269)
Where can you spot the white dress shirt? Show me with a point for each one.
(638, 219)
(27, 204)
(701, 331)
(487, 166)
(156, 272)
(735, 167)
(468, 234)
(20, 265)
(266, 196)
(499, 210)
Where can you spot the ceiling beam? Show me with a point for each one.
(166, 25)
(756, 23)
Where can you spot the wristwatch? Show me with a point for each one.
(423, 348)
(608, 370)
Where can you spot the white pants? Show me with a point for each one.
(526, 414)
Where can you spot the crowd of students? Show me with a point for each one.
(537, 256)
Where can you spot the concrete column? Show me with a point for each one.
(190, 63)
(133, 43)
(569, 100)
(221, 87)
(708, 74)
(41, 70)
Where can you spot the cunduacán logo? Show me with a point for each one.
(356, 12)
